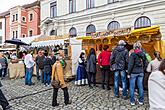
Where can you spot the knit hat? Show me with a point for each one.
(121, 42)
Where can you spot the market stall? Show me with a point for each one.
(50, 42)
(150, 38)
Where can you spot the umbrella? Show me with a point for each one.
(16, 42)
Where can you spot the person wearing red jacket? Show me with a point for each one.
(104, 63)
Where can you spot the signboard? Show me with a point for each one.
(112, 33)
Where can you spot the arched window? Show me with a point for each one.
(90, 29)
(113, 25)
(142, 22)
(53, 32)
(73, 32)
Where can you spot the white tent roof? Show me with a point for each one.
(48, 43)
(29, 40)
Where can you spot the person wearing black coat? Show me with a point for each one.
(91, 67)
(136, 68)
(3, 101)
(119, 63)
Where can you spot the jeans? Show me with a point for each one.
(37, 71)
(55, 93)
(28, 76)
(3, 101)
(3, 72)
(41, 71)
(116, 83)
(105, 77)
(47, 77)
(139, 78)
(90, 77)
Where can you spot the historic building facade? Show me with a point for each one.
(82, 17)
(23, 21)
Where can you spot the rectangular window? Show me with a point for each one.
(0, 39)
(113, 1)
(72, 6)
(0, 25)
(53, 9)
(13, 18)
(90, 3)
(30, 33)
(31, 17)
(16, 17)
(13, 34)
(16, 34)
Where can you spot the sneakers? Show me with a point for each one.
(140, 103)
(132, 104)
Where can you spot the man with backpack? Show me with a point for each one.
(40, 64)
(119, 62)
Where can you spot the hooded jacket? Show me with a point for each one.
(119, 58)
(137, 62)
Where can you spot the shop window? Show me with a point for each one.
(142, 22)
(90, 29)
(0, 25)
(113, 1)
(73, 32)
(53, 32)
(72, 6)
(113, 25)
(90, 3)
(53, 9)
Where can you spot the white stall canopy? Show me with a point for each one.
(48, 43)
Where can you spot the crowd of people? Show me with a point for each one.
(131, 66)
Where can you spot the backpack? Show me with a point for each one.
(40, 62)
(148, 57)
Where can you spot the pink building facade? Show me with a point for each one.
(23, 21)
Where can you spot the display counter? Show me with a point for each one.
(17, 70)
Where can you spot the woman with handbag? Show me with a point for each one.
(58, 82)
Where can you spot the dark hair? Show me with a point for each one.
(105, 47)
(46, 54)
(82, 53)
(162, 66)
(92, 51)
(157, 55)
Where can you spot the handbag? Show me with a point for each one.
(55, 83)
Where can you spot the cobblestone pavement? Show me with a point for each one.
(39, 97)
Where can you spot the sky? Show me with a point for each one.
(5, 5)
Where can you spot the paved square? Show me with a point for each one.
(39, 97)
